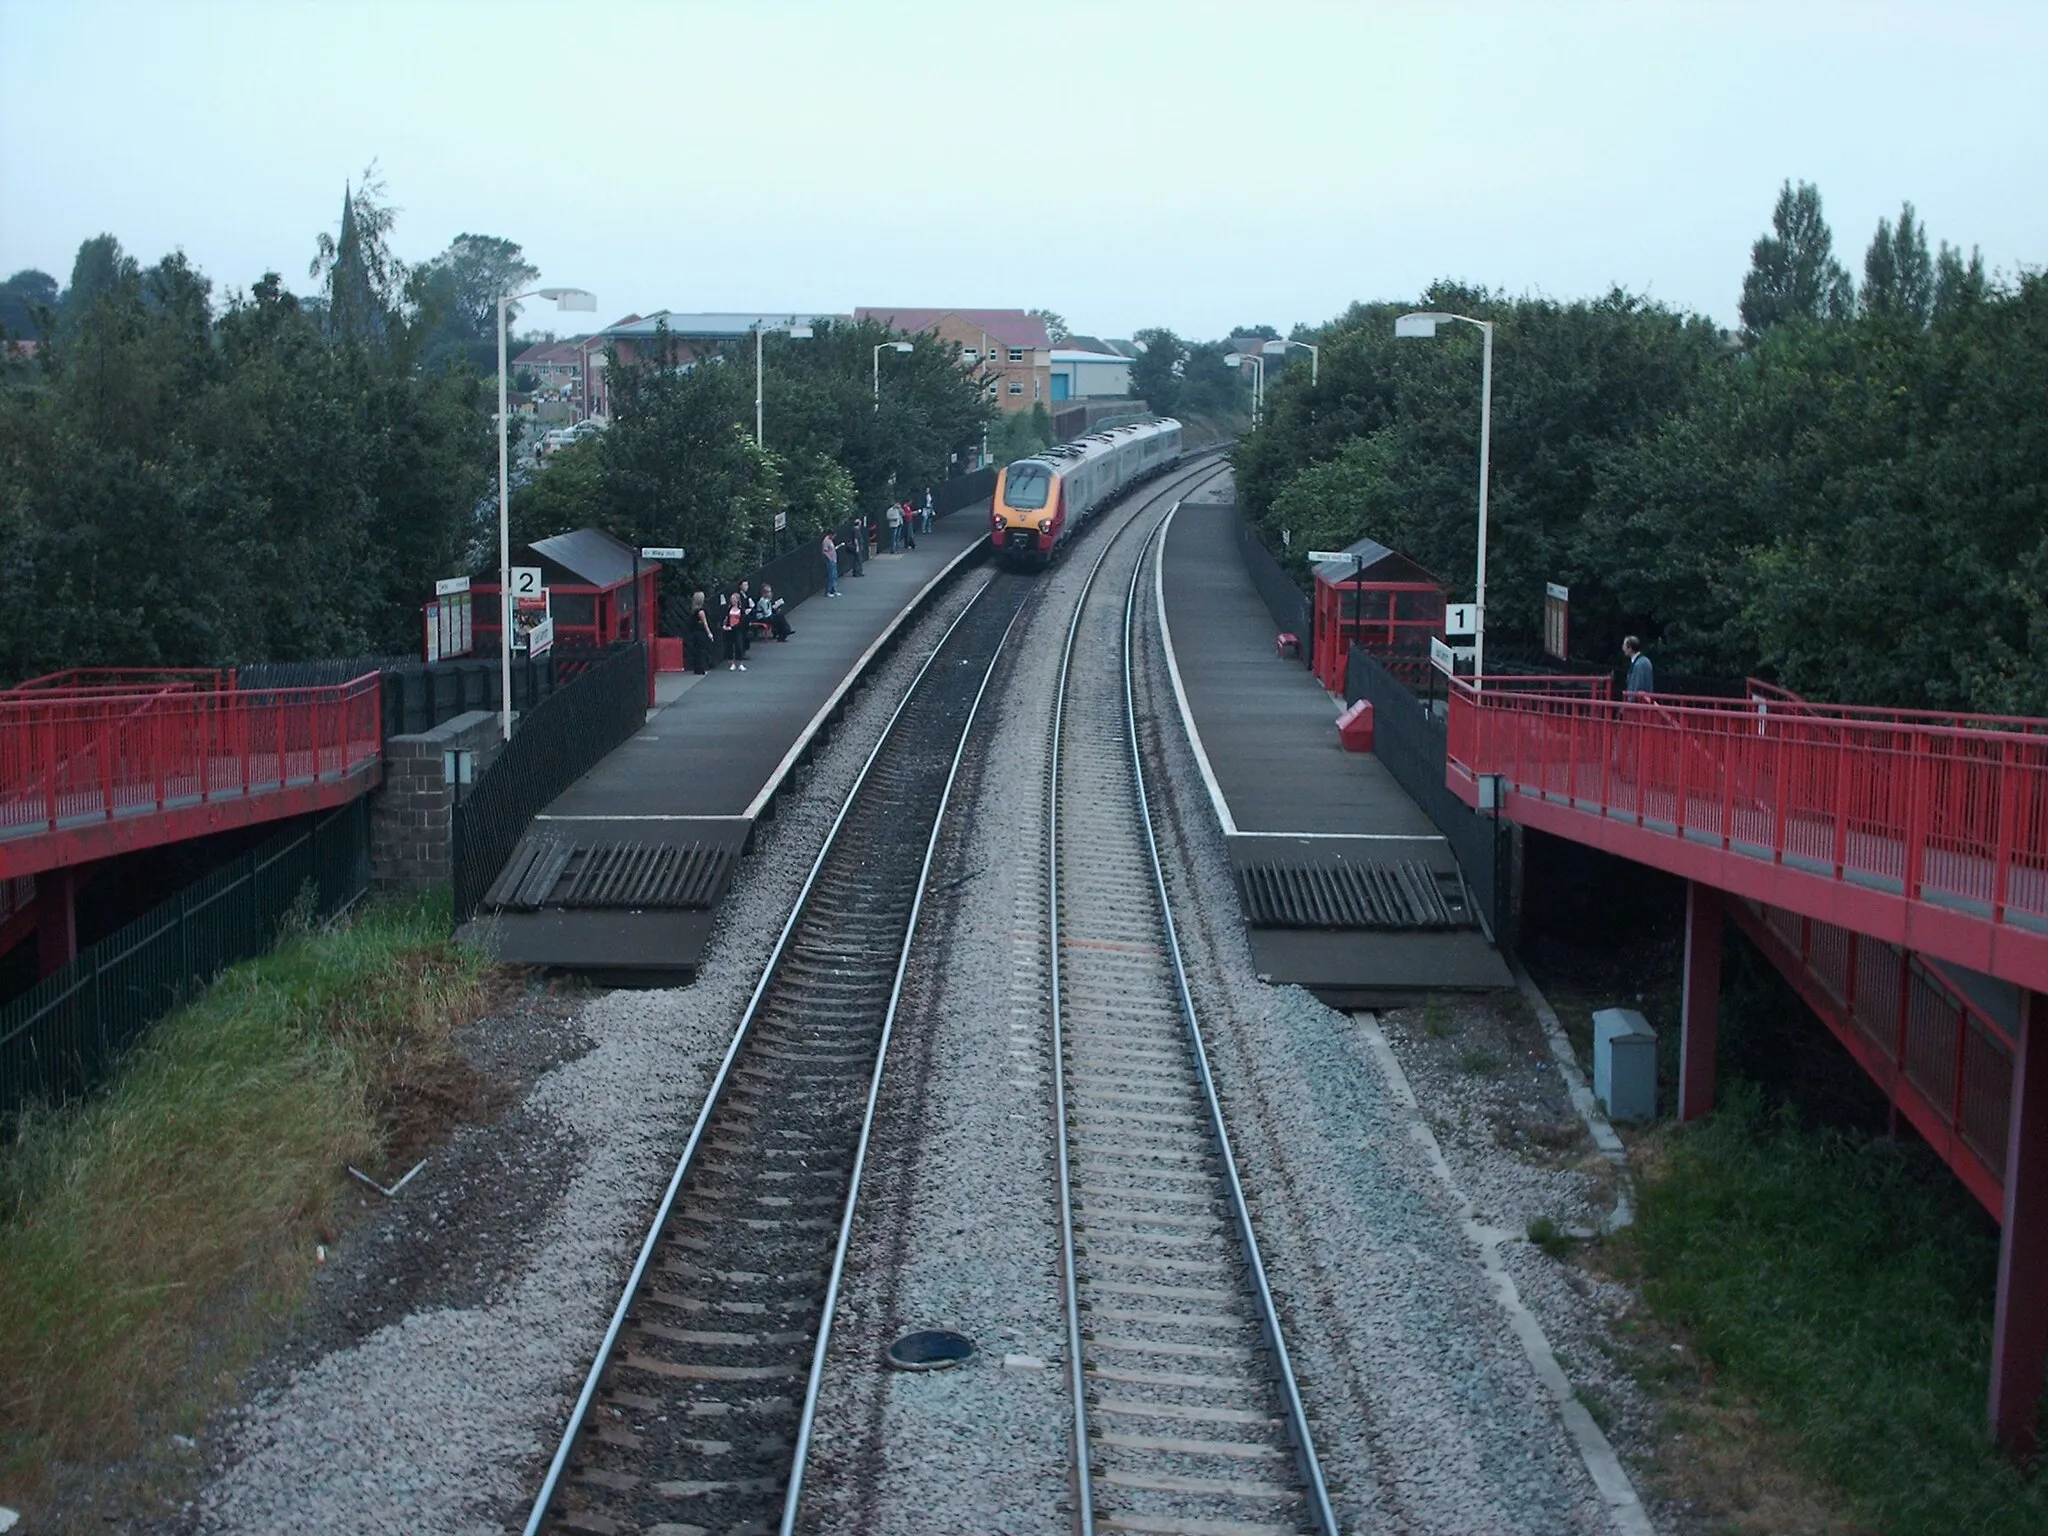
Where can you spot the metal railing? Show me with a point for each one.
(557, 743)
(60, 1039)
(71, 754)
(1952, 808)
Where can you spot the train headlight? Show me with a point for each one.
(1045, 525)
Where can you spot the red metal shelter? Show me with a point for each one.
(592, 595)
(1383, 603)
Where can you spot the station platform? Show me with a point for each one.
(1347, 888)
(621, 876)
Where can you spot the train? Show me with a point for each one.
(1043, 501)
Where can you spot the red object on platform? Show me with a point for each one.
(1354, 727)
(1287, 645)
(668, 653)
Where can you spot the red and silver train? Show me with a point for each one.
(1043, 501)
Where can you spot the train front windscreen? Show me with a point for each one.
(1026, 486)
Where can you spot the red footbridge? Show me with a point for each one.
(96, 762)
(1893, 864)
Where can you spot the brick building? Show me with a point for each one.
(1012, 346)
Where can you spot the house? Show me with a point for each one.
(1009, 347)
(554, 365)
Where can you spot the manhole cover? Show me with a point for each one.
(932, 1349)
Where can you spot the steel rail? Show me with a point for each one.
(1307, 1462)
(1084, 1492)
(715, 1092)
(808, 1417)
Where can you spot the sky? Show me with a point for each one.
(1124, 163)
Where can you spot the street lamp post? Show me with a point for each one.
(887, 346)
(1423, 324)
(796, 332)
(1258, 365)
(1278, 348)
(565, 298)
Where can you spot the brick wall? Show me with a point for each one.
(409, 815)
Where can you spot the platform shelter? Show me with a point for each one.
(597, 590)
(1380, 601)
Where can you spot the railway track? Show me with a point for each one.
(694, 1415)
(1187, 1419)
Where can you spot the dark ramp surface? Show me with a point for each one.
(622, 875)
(1301, 816)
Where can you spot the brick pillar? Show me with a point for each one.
(1700, 1018)
(2019, 1336)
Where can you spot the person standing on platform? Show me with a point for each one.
(926, 525)
(747, 611)
(859, 543)
(1641, 681)
(895, 517)
(697, 635)
(831, 551)
(735, 634)
(909, 526)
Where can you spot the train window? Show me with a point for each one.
(1026, 486)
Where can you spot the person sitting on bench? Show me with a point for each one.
(768, 612)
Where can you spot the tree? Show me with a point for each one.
(1263, 332)
(24, 299)
(1958, 286)
(1793, 274)
(1898, 274)
(1156, 370)
(99, 268)
(1055, 324)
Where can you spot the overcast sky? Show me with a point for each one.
(1124, 163)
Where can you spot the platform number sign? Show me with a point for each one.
(1557, 620)
(526, 582)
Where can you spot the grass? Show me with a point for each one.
(1842, 1285)
(1479, 1063)
(1550, 1237)
(151, 1237)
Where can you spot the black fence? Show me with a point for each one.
(64, 1035)
(1285, 601)
(557, 742)
(1409, 739)
(418, 697)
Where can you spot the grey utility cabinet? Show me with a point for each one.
(1625, 1064)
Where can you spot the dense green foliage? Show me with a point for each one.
(1850, 498)
(182, 483)
(1844, 1286)
(680, 466)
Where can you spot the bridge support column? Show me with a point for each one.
(2019, 1337)
(56, 919)
(1700, 1015)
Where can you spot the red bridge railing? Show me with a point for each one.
(78, 748)
(1945, 809)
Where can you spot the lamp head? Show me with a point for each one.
(801, 332)
(1422, 323)
(901, 346)
(1233, 359)
(569, 298)
(1276, 347)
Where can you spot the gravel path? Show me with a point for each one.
(1427, 1413)
(440, 1416)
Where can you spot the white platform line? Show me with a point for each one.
(846, 683)
(1180, 694)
